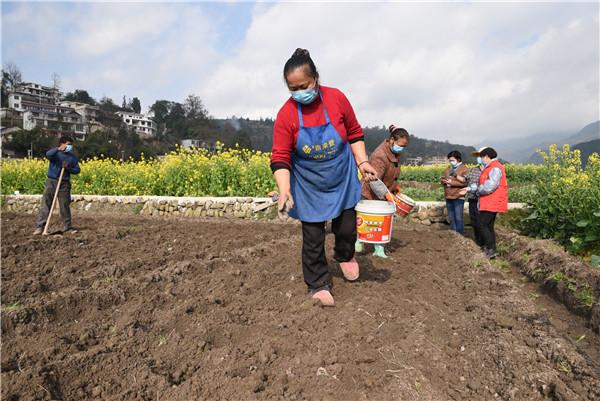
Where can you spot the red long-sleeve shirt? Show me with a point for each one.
(287, 124)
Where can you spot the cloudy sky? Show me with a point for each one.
(444, 71)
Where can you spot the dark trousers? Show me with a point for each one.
(487, 220)
(475, 223)
(314, 263)
(64, 202)
(456, 214)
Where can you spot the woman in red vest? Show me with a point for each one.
(493, 197)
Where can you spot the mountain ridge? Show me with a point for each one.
(524, 149)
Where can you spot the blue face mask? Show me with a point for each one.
(68, 148)
(305, 96)
(480, 162)
(454, 164)
(397, 149)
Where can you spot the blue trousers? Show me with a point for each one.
(455, 214)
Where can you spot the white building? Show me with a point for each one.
(414, 161)
(31, 93)
(435, 160)
(197, 143)
(142, 123)
(190, 143)
(38, 106)
(89, 113)
(11, 118)
(58, 120)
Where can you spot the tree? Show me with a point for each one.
(115, 143)
(242, 140)
(107, 115)
(161, 109)
(80, 96)
(36, 140)
(124, 105)
(136, 105)
(3, 93)
(176, 115)
(98, 143)
(194, 108)
(11, 77)
(12, 74)
(107, 101)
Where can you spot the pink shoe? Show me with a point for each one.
(350, 269)
(324, 297)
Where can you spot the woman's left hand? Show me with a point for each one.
(368, 172)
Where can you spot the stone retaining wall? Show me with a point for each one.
(426, 213)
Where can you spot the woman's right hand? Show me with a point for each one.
(367, 171)
(285, 203)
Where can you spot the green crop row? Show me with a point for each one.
(515, 173)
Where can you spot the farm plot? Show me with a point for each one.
(134, 308)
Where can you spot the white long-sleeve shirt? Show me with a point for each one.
(490, 185)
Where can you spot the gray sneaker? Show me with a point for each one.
(38, 231)
(70, 230)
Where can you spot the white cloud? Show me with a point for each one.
(28, 30)
(151, 51)
(153, 59)
(446, 71)
(100, 29)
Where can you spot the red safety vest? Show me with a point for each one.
(497, 201)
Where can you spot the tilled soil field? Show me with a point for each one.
(134, 308)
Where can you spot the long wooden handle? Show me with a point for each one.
(62, 170)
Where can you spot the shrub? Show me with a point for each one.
(565, 203)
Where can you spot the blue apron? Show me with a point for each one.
(324, 180)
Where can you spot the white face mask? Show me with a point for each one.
(305, 96)
(397, 149)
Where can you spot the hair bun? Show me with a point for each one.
(301, 52)
(392, 128)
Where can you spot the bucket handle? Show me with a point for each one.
(386, 188)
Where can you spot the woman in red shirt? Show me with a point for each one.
(318, 148)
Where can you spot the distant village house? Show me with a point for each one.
(143, 124)
(32, 105)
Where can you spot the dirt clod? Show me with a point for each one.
(128, 319)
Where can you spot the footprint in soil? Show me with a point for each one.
(368, 272)
(396, 244)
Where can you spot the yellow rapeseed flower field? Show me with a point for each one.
(565, 203)
(184, 172)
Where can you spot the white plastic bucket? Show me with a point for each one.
(374, 221)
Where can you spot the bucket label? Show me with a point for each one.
(405, 205)
(373, 228)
